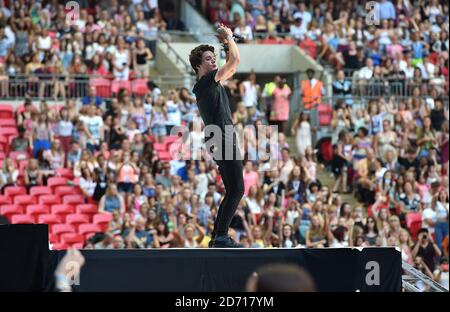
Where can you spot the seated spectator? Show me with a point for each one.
(87, 183)
(55, 156)
(9, 173)
(20, 143)
(32, 175)
(112, 201)
(92, 98)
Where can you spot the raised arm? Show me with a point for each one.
(233, 57)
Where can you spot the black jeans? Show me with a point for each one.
(232, 176)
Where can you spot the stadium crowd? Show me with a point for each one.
(389, 148)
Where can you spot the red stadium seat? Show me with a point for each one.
(22, 219)
(5, 123)
(269, 41)
(62, 210)
(53, 238)
(72, 238)
(38, 209)
(6, 111)
(10, 210)
(49, 199)
(60, 246)
(7, 132)
(5, 200)
(325, 112)
(25, 200)
(40, 190)
(73, 199)
(77, 219)
(49, 219)
(139, 87)
(12, 191)
(65, 172)
(102, 86)
(116, 85)
(4, 144)
(59, 229)
(63, 190)
(103, 220)
(56, 181)
(288, 41)
(89, 229)
(89, 209)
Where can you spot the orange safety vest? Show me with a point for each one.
(311, 97)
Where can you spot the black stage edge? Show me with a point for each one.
(24, 257)
(202, 270)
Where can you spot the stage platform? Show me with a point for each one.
(195, 270)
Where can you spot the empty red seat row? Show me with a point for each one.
(55, 187)
(6, 111)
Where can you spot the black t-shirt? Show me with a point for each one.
(405, 163)
(351, 61)
(437, 119)
(427, 255)
(213, 103)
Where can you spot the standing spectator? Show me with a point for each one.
(121, 60)
(342, 88)
(386, 10)
(280, 105)
(142, 56)
(440, 201)
(244, 30)
(65, 129)
(249, 91)
(41, 135)
(301, 129)
(426, 249)
(297, 31)
(158, 119)
(316, 235)
(127, 174)
(94, 124)
(312, 91)
(173, 111)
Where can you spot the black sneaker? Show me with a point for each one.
(225, 242)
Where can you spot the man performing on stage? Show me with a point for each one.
(214, 108)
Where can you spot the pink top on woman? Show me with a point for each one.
(280, 106)
(250, 178)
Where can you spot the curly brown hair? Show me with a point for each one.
(195, 58)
